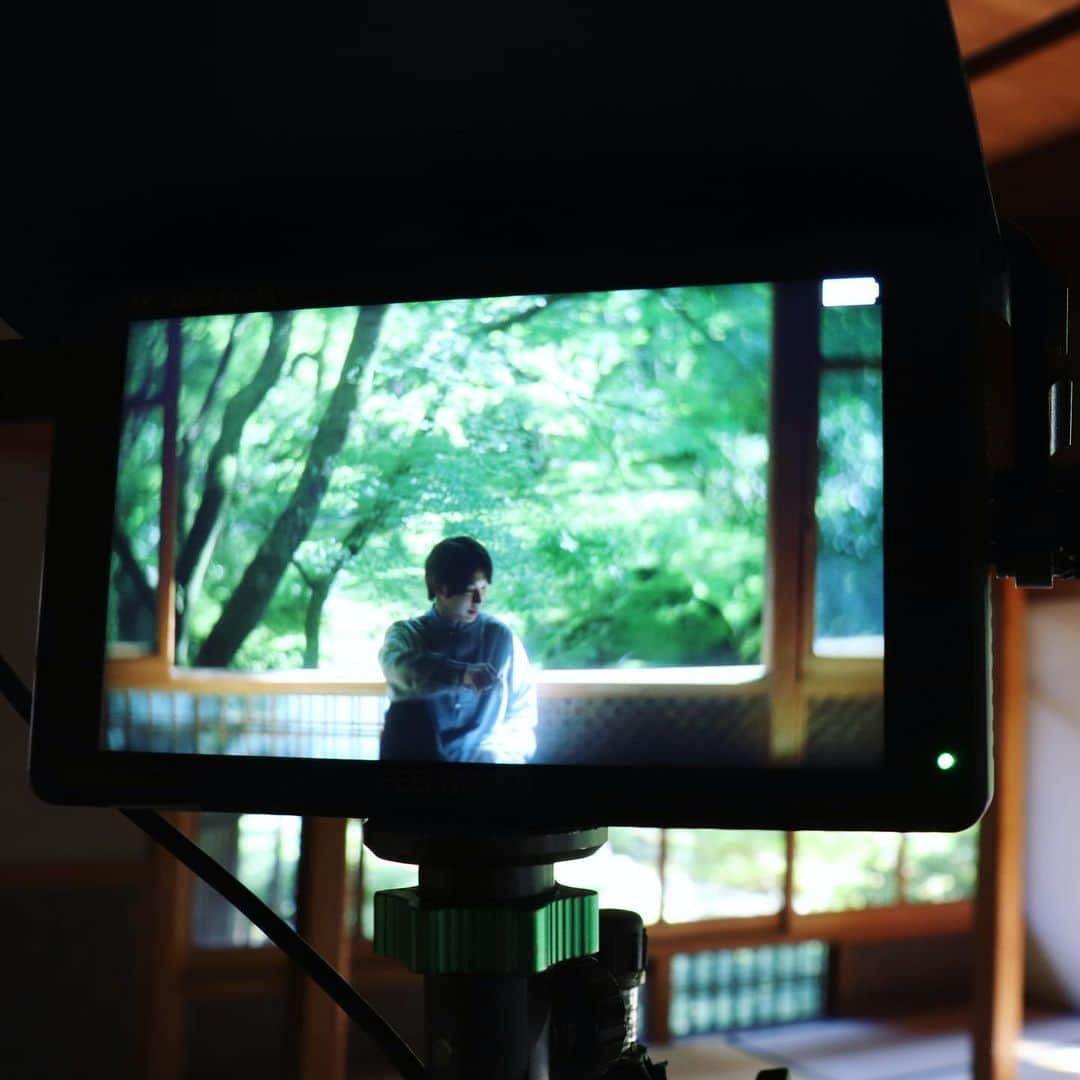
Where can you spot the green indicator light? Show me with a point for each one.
(946, 761)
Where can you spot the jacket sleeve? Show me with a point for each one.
(513, 740)
(411, 669)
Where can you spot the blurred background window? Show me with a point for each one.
(841, 871)
(716, 874)
(941, 867)
(625, 872)
(263, 851)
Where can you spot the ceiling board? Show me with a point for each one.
(1031, 102)
(980, 23)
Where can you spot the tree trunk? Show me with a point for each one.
(354, 542)
(320, 590)
(199, 543)
(195, 429)
(193, 587)
(249, 601)
(136, 599)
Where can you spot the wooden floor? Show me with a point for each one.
(930, 1047)
(927, 1047)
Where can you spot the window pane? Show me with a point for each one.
(845, 871)
(133, 575)
(625, 872)
(718, 874)
(377, 874)
(849, 589)
(941, 866)
(851, 333)
(263, 851)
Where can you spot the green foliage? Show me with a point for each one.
(842, 871)
(942, 866)
(132, 612)
(723, 873)
(850, 506)
(611, 450)
(851, 333)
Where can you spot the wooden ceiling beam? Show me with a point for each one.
(1023, 43)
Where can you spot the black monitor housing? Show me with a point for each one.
(568, 154)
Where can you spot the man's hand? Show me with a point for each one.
(479, 677)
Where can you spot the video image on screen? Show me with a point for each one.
(640, 526)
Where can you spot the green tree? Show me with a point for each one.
(252, 595)
(850, 506)
(201, 537)
(132, 601)
(611, 449)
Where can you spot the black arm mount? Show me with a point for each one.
(1032, 453)
(524, 979)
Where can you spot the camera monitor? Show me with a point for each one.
(662, 550)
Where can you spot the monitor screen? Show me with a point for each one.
(638, 526)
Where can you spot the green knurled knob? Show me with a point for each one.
(521, 937)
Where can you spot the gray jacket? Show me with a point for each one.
(424, 659)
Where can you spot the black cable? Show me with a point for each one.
(244, 900)
(283, 936)
(15, 690)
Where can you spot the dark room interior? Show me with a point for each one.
(840, 956)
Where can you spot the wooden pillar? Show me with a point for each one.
(792, 483)
(658, 1000)
(321, 1027)
(166, 936)
(999, 908)
(166, 593)
(788, 910)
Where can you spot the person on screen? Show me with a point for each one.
(460, 682)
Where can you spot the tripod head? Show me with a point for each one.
(524, 979)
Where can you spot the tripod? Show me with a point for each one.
(524, 979)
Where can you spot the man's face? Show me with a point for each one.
(465, 606)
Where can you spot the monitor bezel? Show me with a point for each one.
(936, 690)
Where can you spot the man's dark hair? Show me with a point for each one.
(453, 563)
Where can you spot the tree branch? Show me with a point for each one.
(307, 578)
(349, 547)
(521, 316)
(195, 428)
(669, 301)
(194, 431)
(249, 600)
(221, 467)
(143, 594)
